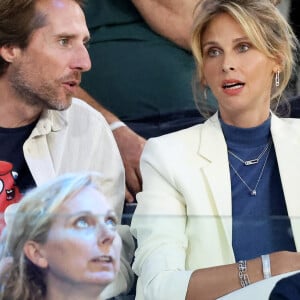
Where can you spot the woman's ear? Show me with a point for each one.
(277, 69)
(9, 53)
(278, 64)
(203, 81)
(34, 253)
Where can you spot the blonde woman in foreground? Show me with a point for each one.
(63, 241)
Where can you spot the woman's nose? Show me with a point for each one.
(227, 68)
(106, 235)
(228, 63)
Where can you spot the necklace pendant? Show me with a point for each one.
(251, 162)
(253, 193)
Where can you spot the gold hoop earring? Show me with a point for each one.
(277, 78)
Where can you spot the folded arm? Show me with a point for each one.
(170, 18)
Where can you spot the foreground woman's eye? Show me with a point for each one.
(111, 223)
(82, 222)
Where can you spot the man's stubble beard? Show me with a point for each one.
(42, 95)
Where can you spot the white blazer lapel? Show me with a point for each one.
(217, 171)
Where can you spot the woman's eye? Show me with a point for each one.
(111, 223)
(243, 47)
(82, 223)
(213, 52)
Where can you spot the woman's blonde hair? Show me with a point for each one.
(31, 222)
(266, 28)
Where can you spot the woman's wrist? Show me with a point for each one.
(266, 266)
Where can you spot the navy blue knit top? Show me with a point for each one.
(260, 222)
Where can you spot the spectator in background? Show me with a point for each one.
(142, 72)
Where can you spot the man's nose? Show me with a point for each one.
(81, 59)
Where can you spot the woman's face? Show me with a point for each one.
(83, 246)
(239, 75)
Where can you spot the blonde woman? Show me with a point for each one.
(219, 199)
(63, 242)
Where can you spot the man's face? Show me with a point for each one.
(48, 71)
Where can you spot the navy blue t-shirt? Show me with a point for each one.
(11, 150)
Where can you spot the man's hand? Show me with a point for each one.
(130, 146)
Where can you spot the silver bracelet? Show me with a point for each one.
(115, 125)
(266, 266)
(242, 271)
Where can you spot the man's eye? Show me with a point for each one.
(82, 223)
(64, 42)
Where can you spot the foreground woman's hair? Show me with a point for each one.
(31, 221)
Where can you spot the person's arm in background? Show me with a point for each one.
(171, 19)
(129, 143)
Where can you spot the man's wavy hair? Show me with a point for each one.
(18, 20)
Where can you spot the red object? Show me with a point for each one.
(9, 192)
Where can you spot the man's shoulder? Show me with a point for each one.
(80, 108)
(81, 116)
(78, 104)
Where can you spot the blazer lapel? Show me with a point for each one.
(217, 171)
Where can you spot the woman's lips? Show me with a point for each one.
(232, 87)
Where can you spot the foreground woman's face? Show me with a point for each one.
(83, 245)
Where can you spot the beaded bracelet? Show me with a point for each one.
(242, 271)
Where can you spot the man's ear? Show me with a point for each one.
(34, 253)
(9, 53)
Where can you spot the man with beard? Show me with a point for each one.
(44, 132)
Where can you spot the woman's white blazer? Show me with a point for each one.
(183, 218)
